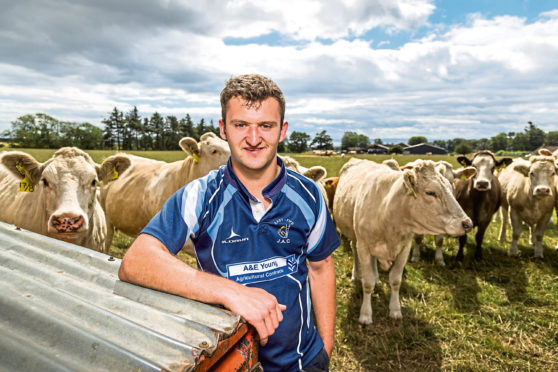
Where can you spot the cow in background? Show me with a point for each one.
(316, 173)
(529, 195)
(479, 196)
(63, 203)
(137, 195)
(379, 210)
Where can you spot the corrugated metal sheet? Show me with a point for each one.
(62, 308)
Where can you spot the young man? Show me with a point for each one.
(259, 231)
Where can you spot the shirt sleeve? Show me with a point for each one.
(178, 218)
(323, 238)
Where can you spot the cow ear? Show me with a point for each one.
(464, 161)
(190, 146)
(392, 163)
(465, 173)
(545, 152)
(22, 165)
(410, 181)
(207, 135)
(522, 168)
(316, 173)
(504, 162)
(112, 167)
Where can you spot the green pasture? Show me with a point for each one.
(500, 314)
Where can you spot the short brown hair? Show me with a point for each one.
(253, 88)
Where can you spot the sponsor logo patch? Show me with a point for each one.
(259, 271)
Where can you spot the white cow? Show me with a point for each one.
(137, 195)
(64, 203)
(528, 195)
(446, 170)
(379, 210)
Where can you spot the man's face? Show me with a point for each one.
(253, 133)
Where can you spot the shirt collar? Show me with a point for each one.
(269, 191)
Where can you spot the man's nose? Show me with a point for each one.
(253, 135)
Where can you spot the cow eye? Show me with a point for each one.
(93, 183)
(45, 182)
(431, 193)
(214, 152)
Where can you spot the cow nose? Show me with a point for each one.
(67, 223)
(482, 185)
(542, 191)
(467, 225)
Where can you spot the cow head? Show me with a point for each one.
(210, 153)
(541, 171)
(485, 164)
(434, 209)
(66, 185)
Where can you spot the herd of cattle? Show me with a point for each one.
(379, 208)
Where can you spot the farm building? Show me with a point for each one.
(547, 147)
(376, 148)
(425, 149)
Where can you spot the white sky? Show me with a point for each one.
(389, 69)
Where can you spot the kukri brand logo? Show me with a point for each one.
(234, 238)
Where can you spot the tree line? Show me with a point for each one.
(129, 131)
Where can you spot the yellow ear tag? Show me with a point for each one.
(503, 166)
(463, 177)
(115, 174)
(328, 185)
(196, 157)
(414, 193)
(24, 185)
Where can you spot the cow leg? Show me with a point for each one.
(395, 277)
(462, 242)
(439, 240)
(355, 276)
(479, 237)
(504, 216)
(416, 249)
(538, 233)
(516, 225)
(368, 283)
(110, 235)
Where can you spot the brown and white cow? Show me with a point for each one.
(64, 203)
(330, 185)
(379, 210)
(446, 170)
(479, 196)
(529, 195)
(137, 195)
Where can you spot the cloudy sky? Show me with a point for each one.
(390, 69)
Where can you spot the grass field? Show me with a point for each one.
(500, 314)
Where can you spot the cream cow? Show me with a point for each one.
(446, 170)
(63, 203)
(137, 195)
(528, 195)
(379, 210)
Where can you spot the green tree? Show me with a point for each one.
(298, 141)
(135, 127)
(114, 128)
(520, 142)
(186, 127)
(200, 129)
(415, 140)
(172, 137)
(395, 149)
(499, 142)
(322, 141)
(24, 132)
(463, 148)
(156, 127)
(353, 139)
(551, 138)
(535, 136)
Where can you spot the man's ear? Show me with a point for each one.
(190, 146)
(222, 129)
(22, 165)
(112, 167)
(284, 131)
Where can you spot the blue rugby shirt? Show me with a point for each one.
(235, 238)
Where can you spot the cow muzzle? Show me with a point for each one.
(467, 225)
(66, 223)
(542, 191)
(482, 185)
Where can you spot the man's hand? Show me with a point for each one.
(258, 307)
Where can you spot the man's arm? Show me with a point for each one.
(322, 290)
(148, 263)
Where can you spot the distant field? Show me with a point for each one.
(500, 314)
